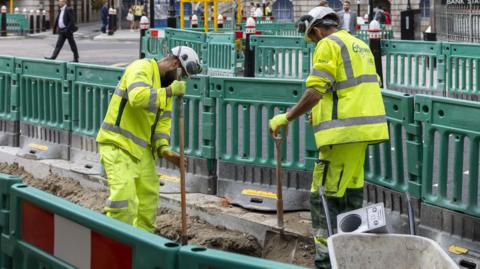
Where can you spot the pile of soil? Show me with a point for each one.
(168, 221)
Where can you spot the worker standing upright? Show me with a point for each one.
(136, 129)
(347, 114)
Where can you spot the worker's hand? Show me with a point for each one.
(170, 156)
(277, 122)
(178, 88)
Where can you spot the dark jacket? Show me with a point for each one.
(68, 20)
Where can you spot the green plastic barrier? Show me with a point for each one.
(193, 257)
(92, 88)
(410, 66)
(242, 99)
(16, 23)
(193, 39)
(281, 56)
(396, 164)
(222, 55)
(44, 93)
(7, 68)
(154, 47)
(463, 68)
(199, 117)
(49, 232)
(450, 152)
(6, 181)
(278, 28)
(363, 35)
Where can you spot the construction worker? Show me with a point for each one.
(347, 113)
(136, 129)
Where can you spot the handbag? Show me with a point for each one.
(129, 16)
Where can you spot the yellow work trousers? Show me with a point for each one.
(133, 184)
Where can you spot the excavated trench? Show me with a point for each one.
(168, 221)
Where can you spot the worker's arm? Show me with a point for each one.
(141, 94)
(319, 82)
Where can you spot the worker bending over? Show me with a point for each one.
(136, 130)
(347, 114)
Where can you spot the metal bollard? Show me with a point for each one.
(32, 22)
(220, 21)
(38, 28)
(375, 37)
(144, 23)
(44, 26)
(16, 10)
(3, 30)
(194, 21)
(110, 21)
(249, 70)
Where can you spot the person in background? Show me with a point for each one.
(137, 14)
(130, 18)
(258, 11)
(252, 9)
(348, 18)
(104, 17)
(388, 17)
(379, 15)
(268, 10)
(323, 3)
(65, 27)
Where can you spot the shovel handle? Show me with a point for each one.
(323, 196)
(183, 196)
(278, 173)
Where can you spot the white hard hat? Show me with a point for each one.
(317, 14)
(188, 59)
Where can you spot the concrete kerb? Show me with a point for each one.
(212, 209)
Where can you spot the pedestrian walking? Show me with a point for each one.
(136, 130)
(253, 8)
(104, 17)
(258, 11)
(137, 14)
(347, 114)
(65, 27)
(130, 18)
(348, 18)
(268, 10)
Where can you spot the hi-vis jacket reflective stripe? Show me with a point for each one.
(139, 113)
(351, 109)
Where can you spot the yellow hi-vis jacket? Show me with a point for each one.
(351, 109)
(139, 113)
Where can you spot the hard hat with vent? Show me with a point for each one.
(188, 59)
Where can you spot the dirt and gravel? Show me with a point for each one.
(168, 221)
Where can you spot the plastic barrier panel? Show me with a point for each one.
(396, 163)
(195, 40)
(193, 257)
(200, 126)
(463, 70)
(6, 181)
(281, 56)
(9, 124)
(49, 232)
(222, 56)
(16, 23)
(450, 152)
(45, 118)
(246, 161)
(92, 86)
(414, 66)
(154, 46)
(279, 29)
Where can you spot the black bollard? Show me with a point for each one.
(3, 30)
(38, 28)
(110, 22)
(44, 27)
(32, 22)
(144, 23)
(249, 69)
(375, 36)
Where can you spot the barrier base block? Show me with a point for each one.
(199, 177)
(253, 187)
(39, 142)
(9, 133)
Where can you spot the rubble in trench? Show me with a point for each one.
(168, 221)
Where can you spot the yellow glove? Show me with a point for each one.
(278, 121)
(170, 156)
(178, 88)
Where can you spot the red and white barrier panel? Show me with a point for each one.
(71, 242)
